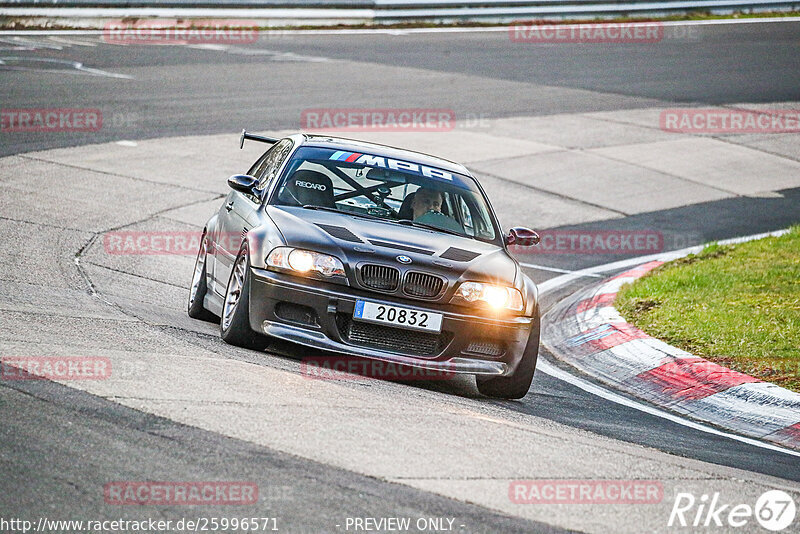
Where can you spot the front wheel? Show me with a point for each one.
(517, 385)
(235, 323)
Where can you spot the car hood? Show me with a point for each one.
(355, 240)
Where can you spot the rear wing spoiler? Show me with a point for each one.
(253, 137)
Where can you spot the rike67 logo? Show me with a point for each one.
(774, 510)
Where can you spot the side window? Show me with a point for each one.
(466, 216)
(254, 168)
(271, 163)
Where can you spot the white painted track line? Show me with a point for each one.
(555, 269)
(558, 373)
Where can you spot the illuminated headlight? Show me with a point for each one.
(496, 297)
(305, 261)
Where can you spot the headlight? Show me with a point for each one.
(496, 297)
(305, 261)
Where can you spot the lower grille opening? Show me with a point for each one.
(297, 313)
(486, 347)
(392, 339)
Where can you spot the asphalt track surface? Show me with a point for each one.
(68, 442)
(177, 91)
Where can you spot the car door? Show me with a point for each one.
(239, 213)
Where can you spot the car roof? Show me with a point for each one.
(352, 145)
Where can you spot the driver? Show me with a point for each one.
(426, 200)
(427, 209)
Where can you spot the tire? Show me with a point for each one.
(517, 385)
(234, 325)
(199, 286)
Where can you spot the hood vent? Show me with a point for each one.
(340, 232)
(458, 254)
(404, 248)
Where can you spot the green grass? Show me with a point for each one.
(736, 305)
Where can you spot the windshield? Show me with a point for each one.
(385, 188)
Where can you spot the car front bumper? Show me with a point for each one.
(320, 316)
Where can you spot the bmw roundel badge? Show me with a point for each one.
(404, 259)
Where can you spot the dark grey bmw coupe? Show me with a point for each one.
(371, 251)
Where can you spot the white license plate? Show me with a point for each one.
(397, 316)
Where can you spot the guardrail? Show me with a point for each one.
(380, 11)
(404, 9)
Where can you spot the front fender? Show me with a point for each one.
(260, 241)
(531, 295)
(211, 227)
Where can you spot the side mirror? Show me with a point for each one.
(243, 183)
(522, 237)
